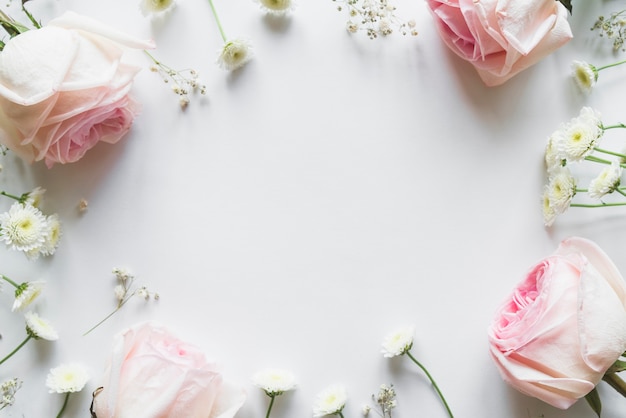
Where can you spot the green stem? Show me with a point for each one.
(30, 17)
(610, 65)
(598, 205)
(269, 408)
(604, 151)
(340, 414)
(102, 321)
(12, 196)
(10, 281)
(67, 397)
(432, 381)
(16, 349)
(616, 383)
(217, 20)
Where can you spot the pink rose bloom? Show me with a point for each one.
(563, 326)
(152, 374)
(501, 37)
(63, 89)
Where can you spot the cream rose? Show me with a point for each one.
(563, 326)
(152, 374)
(501, 37)
(63, 89)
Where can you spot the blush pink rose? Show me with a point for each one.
(563, 326)
(501, 37)
(152, 374)
(63, 89)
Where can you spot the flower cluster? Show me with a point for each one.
(25, 228)
(575, 142)
(375, 17)
(613, 27)
(385, 399)
(124, 291)
(8, 389)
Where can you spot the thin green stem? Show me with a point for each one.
(16, 349)
(616, 383)
(119, 306)
(217, 20)
(269, 408)
(340, 414)
(30, 17)
(610, 65)
(596, 205)
(12, 196)
(9, 281)
(432, 381)
(620, 191)
(605, 151)
(617, 125)
(67, 397)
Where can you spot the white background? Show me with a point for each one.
(332, 190)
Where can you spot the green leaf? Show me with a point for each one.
(593, 399)
(567, 4)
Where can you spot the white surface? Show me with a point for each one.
(334, 189)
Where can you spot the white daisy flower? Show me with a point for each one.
(549, 214)
(26, 293)
(276, 7)
(39, 328)
(607, 181)
(35, 197)
(330, 401)
(154, 7)
(581, 135)
(552, 154)
(558, 194)
(234, 54)
(53, 235)
(67, 378)
(398, 342)
(585, 75)
(274, 381)
(23, 227)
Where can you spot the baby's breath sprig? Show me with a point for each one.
(124, 291)
(8, 388)
(612, 27)
(375, 17)
(385, 399)
(183, 81)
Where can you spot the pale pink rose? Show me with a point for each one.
(63, 89)
(501, 37)
(152, 374)
(563, 326)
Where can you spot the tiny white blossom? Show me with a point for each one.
(35, 197)
(585, 75)
(398, 342)
(53, 235)
(549, 214)
(581, 135)
(330, 401)
(276, 7)
(120, 292)
(23, 227)
(274, 381)
(156, 7)
(26, 294)
(39, 328)
(8, 388)
(366, 410)
(67, 378)
(234, 54)
(607, 181)
(552, 154)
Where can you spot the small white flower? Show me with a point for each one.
(26, 294)
(581, 135)
(35, 197)
(120, 292)
(585, 75)
(53, 235)
(398, 342)
(277, 7)
(155, 7)
(39, 328)
(552, 154)
(607, 181)
(366, 410)
(23, 227)
(561, 188)
(274, 381)
(67, 378)
(234, 54)
(8, 388)
(330, 401)
(549, 214)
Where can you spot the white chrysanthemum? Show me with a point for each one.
(398, 342)
(35, 197)
(26, 293)
(154, 7)
(581, 135)
(549, 214)
(67, 378)
(585, 75)
(234, 54)
(53, 235)
(558, 194)
(607, 181)
(39, 328)
(330, 401)
(552, 155)
(23, 227)
(274, 381)
(277, 7)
